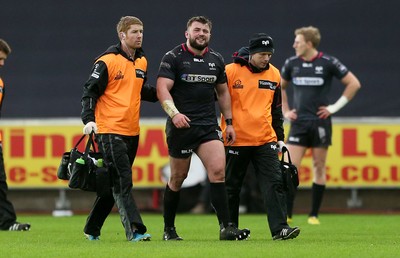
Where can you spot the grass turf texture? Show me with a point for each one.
(337, 236)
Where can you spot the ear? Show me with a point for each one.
(186, 34)
(122, 35)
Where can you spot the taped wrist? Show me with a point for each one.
(341, 102)
(169, 108)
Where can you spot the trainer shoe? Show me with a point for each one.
(19, 227)
(231, 232)
(91, 237)
(313, 220)
(170, 234)
(140, 237)
(287, 233)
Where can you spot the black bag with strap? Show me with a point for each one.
(83, 173)
(86, 171)
(68, 158)
(290, 174)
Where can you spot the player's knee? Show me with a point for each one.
(176, 182)
(217, 176)
(319, 165)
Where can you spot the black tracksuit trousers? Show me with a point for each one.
(269, 177)
(119, 153)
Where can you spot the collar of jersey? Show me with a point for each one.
(314, 58)
(186, 48)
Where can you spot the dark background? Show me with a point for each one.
(54, 44)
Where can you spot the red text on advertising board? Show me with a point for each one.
(379, 142)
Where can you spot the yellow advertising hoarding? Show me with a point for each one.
(32, 152)
(362, 154)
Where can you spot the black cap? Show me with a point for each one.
(261, 42)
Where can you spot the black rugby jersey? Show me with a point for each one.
(195, 78)
(312, 82)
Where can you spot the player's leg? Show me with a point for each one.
(180, 146)
(297, 143)
(319, 181)
(212, 154)
(321, 140)
(179, 171)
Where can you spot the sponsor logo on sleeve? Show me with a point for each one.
(95, 74)
(165, 65)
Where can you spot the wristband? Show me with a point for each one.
(169, 108)
(228, 121)
(341, 102)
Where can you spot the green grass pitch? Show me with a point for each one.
(339, 235)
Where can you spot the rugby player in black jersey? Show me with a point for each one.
(310, 73)
(189, 77)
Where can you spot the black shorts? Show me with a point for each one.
(182, 142)
(311, 133)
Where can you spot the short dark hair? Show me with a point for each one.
(4, 47)
(201, 19)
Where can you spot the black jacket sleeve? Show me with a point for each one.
(92, 90)
(149, 93)
(277, 116)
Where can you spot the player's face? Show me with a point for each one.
(198, 35)
(300, 46)
(261, 59)
(134, 36)
(3, 58)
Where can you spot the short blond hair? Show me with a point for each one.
(126, 21)
(311, 34)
